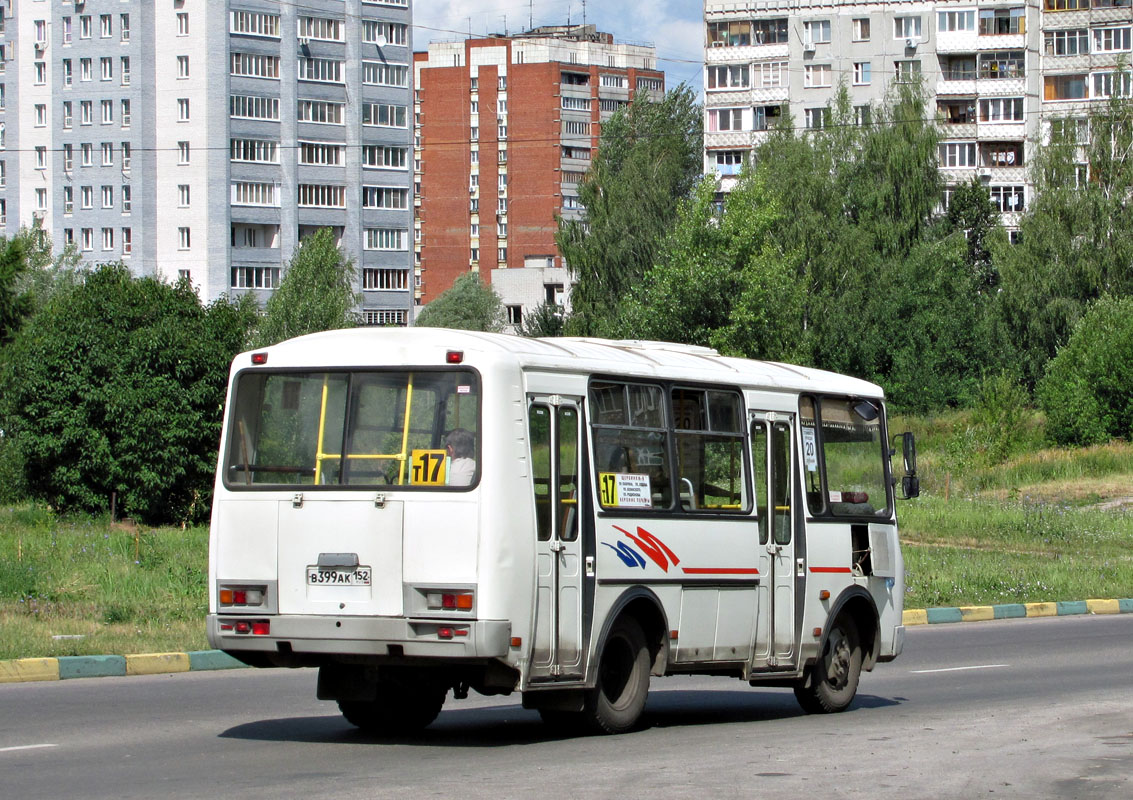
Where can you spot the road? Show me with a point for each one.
(1022, 708)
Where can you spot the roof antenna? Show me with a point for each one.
(583, 13)
(530, 16)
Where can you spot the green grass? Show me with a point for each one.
(122, 590)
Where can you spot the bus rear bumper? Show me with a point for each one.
(371, 636)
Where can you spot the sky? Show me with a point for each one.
(672, 26)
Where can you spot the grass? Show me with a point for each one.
(1044, 524)
(78, 586)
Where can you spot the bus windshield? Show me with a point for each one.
(354, 429)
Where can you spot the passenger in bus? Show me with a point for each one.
(461, 447)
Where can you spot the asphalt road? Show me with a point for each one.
(1023, 708)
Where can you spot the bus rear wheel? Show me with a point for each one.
(616, 703)
(399, 707)
(833, 681)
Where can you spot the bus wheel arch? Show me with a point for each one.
(849, 644)
(643, 606)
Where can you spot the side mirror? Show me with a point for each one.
(910, 483)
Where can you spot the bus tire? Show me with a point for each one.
(615, 704)
(398, 708)
(833, 680)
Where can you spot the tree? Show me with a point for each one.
(649, 158)
(722, 281)
(1076, 238)
(971, 213)
(316, 293)
(1087, 390)
(47, 274)
(116, 386)
(14, 304)
(546, 319)
(469, 305)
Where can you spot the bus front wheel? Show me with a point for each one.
(399, 707)
(833, 680)
(616, 703)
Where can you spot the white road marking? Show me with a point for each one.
(958, 669)
(26, 747)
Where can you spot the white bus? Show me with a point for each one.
(423, 510)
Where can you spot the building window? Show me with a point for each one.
(106, 67)
(949, 21)
(127, 205)
(247, 193)
(1002, 65)
(725, 119)
(182, 152)
(384, 157)
(375, 73)
(125, 70)
(1105, 84)
(182, 23)
(41, 157)
(127, 241)
(251, 23)
(383, 115)
(1111, 40)
(252, 65)
(182, 67)
(124, 27)
(816, 31)
(816, 118)
(862, 73)
(375, 32)
(816, 75)
(1007, 198)
(125, 113)
(84, 26)
(906, 27)
(1002, 21)
(385, 279)
(107, 154)
(255, 151)
(501, 254)
(321, 70)
(107, 238)
(322, 28)
(514, 315)
(957, 155)
(255, 277)
(907, 71)
(387, 239)
(321, 111)
(40, 115)
(861, 29)
(41, 72)
(385, 197)
(383, 316)
(252, 106)
(315, 195)
(183, 195)
(87, 238)
(771, 74)
(87, 150)
(184, 238)
(1002, 109)
(107, 107)
(125, 156)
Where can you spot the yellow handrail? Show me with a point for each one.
(319, 454)
(405, 430)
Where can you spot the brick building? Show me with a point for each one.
(505, 128)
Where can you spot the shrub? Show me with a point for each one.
(117, 385)
(1087, 390)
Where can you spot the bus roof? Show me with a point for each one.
(362, 347)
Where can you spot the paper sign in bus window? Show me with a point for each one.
(810, 449)
(622, 490)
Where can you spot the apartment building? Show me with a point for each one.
(999, 73)
(505, 129)
(205, 140)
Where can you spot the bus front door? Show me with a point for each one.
(775, 645)
(554, 425)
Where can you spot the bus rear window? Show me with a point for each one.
(372, 429)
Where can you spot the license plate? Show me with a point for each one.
(334, 576)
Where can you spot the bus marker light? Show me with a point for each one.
(227, 597)
(454, 357)
(243, 627)
(259, 358)
(261, 628)
(824, 594)
(444, 633)
(516, 641)
(224, 626)
(460, 631)
(673, 635)
(818, 633)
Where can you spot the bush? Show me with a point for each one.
(117, 385)
(1087, 390)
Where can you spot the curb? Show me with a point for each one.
(932, 616)
(67, 667)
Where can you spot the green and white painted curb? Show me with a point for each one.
(67, 667)
(932, 616)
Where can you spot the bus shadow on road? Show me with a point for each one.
(511, 724)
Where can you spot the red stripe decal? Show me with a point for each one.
(718, 571)
(830, 569)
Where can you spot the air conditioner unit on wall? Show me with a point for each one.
(912, 42)
(808, 47)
